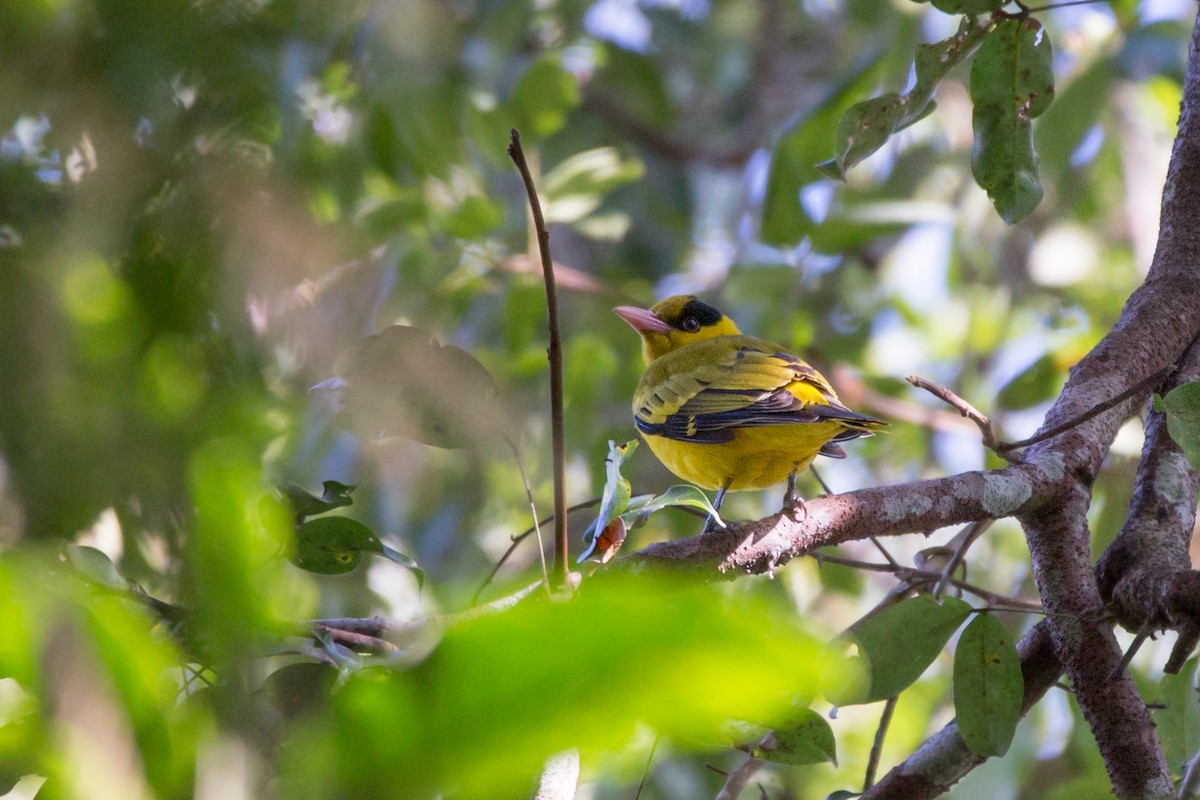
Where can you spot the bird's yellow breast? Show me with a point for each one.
(754, 459)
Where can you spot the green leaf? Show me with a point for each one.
(804, 737)
(96, 565)
(575, 187)
(865, 127)
(1178, 724)
(899, 643)
(613, 502)
(402, 382)
(1037, 383)
(334, 495)
(335, 545)
(300, 689)
(967, 6)
(1012, 82)
(1182, 407)
(683, 494)
(542, 99)
(987, 686)
(784, 220)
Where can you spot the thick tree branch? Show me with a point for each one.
(1145, 574)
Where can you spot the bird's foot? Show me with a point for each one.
(794, 507)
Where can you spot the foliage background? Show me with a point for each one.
(203, 203)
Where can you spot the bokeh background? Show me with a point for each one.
(203, 203)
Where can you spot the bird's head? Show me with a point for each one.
(674, 322)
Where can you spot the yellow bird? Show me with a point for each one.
(727, 411)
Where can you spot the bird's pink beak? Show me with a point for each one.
(642, 320)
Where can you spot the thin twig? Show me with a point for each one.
(537, 528)
(963, 407)
(969, 535)
(885, 719)
(520, 537)
(1050, 433)
(737, 778)
(646, 769)
(554, 353)
(1140, 639)
(914, 575)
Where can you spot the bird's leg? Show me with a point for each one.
(720, 498)
(793, 504)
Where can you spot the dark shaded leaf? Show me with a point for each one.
(987, 686)
(300, 689)
(898, 644)
(335, 545)
(804, 737)
(1012, 82)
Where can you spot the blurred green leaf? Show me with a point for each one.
(501, 693)
(96, 565)
(966, 6)
(543, 97)
(1012, 82)
(576, 186)
(804, 737)
(899, 643)
(300, 689)
(988, 686)
(637, 83)
(865, 127)
(1037, 383)
(403, 382)
(1182, 407)
(784, 220)
(334, 495)
(1178, 724)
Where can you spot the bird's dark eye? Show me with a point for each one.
(690, 324)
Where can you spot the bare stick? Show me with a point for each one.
(970, 534)
(537, 528)
(646, 770)
(963, 407)
(554, 353)
(1141, 386)
(885, 719)
(737, 778)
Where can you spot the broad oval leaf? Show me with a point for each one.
(805, 737)
(403, 382)
(1182, 407)
(1178, 724)
(898, 644)
(1012, 82)
(987, 686)
(95, 564)
(335, 545)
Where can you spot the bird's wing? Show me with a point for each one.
(704, 395)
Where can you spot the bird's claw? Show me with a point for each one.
(794, 507)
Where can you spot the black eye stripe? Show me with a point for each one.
(703, 313)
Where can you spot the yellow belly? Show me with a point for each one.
(754, 459)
